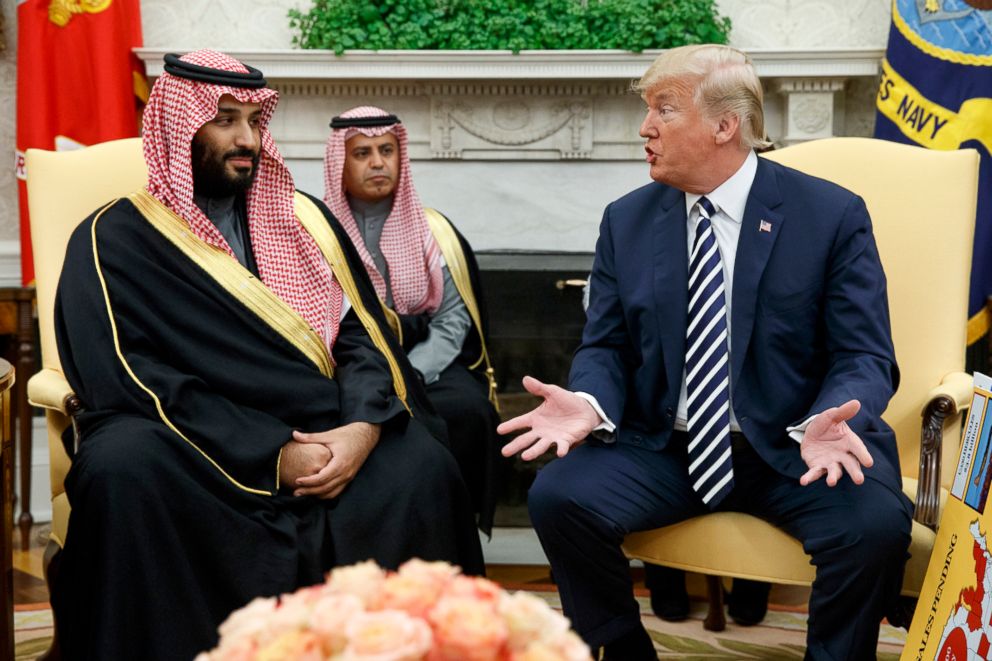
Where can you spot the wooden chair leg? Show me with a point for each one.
(716, 619)
(901, 613)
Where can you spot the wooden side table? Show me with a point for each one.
(7, 508)
(17, 319)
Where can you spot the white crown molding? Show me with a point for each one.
(817, 62)
(283, 64)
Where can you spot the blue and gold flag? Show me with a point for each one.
(936, 91)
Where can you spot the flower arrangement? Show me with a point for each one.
(426, 611)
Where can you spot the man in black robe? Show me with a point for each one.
(249, 421)
(424, 271)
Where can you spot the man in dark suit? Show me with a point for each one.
(737, 351)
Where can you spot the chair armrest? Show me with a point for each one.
(956, 386)
(48, 389)
(951, 397)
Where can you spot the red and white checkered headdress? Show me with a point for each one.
(289, 261)
(409, 248)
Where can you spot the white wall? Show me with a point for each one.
(807, 23)
(8, 80)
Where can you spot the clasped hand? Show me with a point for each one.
(323, 463)
(830, 447)
(562, 420)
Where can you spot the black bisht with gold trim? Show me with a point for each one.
(190, 391)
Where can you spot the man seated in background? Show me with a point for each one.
(424, 271)
(247, 420)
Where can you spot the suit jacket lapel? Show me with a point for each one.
(671, 282)
(753, 250)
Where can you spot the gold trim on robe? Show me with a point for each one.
(451, 248)
(237, 281)
(313, 221)
(117, 346)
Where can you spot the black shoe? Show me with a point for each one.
(634, 645)
(669, 598)
(747, 602)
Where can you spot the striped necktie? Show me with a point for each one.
(711, 470)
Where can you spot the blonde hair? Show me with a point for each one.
(726, 82)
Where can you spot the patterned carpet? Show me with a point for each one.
(32, 631)
(781, 637)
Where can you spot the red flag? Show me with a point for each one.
(78, 82)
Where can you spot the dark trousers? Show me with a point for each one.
(583, 506)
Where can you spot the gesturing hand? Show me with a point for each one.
(563, 419)
(829, 447)
(349, 447)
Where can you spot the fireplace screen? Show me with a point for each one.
(534, 301)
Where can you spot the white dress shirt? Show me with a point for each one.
(729, 200)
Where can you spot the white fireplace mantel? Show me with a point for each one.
(524, 150)
(527, 65)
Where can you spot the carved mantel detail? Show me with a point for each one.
(809, 105)
(519, 128)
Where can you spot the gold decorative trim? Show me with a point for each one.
(236, 280)
(978, 325)
(393, 320)
(60, 12)
(451, 248)
(127, 368)
(315, 223)
(140, 85)
(936, 51)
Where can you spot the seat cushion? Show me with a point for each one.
(761, 551)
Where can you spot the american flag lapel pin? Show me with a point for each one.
(764, 226)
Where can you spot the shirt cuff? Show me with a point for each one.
(605, 430)
(797, 432)
(345, 305)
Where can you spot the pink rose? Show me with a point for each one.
(529, 619)
(386, 636)
(473, 587)
(467, 629)
(296, 645)
(293, 612)
(240, 649)
(413, 591)
(363, 580)
(251, 621)
(330, 617)
(439, 572)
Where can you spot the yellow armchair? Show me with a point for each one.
(922, 204)
(64, 188)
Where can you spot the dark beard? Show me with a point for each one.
(210, 178)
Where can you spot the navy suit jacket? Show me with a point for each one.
(810, 320)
